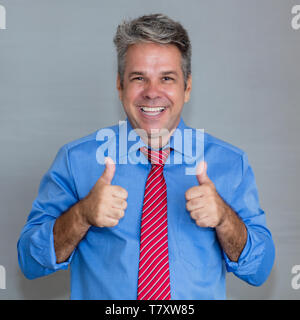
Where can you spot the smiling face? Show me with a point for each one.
(153, 91)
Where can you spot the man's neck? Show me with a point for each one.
(157, 139)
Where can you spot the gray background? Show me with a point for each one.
(57, 83)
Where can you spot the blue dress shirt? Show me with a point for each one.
(105, 263)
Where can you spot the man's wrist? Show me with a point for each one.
(81, 214)
(225, 217)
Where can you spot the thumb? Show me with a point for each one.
(109, 171)
(201, 173)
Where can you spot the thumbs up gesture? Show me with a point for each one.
(105, 204)
(203, 202)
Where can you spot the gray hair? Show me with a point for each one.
(156, 28)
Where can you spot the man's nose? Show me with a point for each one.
(152, 90)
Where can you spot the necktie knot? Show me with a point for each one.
(156, 157)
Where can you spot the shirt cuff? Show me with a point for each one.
(42, 247)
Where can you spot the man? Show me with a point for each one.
(147, 229)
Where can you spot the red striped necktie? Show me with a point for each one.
(154, 276)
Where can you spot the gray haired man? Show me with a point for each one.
(147, 230)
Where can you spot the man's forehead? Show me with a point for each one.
(143, 58)
(152, 48)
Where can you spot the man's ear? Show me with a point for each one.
(188, 89)
(119, 87)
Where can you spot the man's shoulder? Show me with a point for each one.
(215, 142)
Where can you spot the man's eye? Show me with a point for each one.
(167, 78)
(138, 78)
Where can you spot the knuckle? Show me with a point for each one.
(121, 192)
(194, 215)
(188, 206)
(114, 223)
(99, 221)
(122, 213)
(125, 193)
(194, 202)
(187, 195)
(123, 204)
(198, 223)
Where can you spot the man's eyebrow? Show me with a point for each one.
(135, 73)
(165, 73)
(140, 73)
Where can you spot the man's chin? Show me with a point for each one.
(154, 131)
(155, 137)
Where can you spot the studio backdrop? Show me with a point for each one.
(58, 71)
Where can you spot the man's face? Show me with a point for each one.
(153, 92)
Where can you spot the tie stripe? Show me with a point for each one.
(146, 236)
(154, 277)
(144, 263)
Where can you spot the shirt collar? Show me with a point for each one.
(179, 141)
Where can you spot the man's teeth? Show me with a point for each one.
(152, 109)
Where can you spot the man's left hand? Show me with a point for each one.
(205, 205)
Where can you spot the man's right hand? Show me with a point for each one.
(105, 204)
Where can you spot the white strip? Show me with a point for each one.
(152, 254)
(154, 284)
(149, 205)
(160, 288)
(153, 224)
(153, 246)
(148, 191)
(160, 160)
(152, 179)
(154, 237)
(153, 230)
(143, 226)
(150, 264)
(165, 295)
(152, 196)
(152, 173)
(166, 153)
(154, 209)
(152, 272)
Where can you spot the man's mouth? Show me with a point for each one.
(152, 111)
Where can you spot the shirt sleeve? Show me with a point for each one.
(57, 193)
(256, 260)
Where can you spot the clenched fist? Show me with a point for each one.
(203, 202)
(105, 204)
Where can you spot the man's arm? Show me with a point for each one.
(232, 234)
(68, 231)
(103, 207)
(208, 209)
(57, 193)
(247, 244)
(58, 220)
